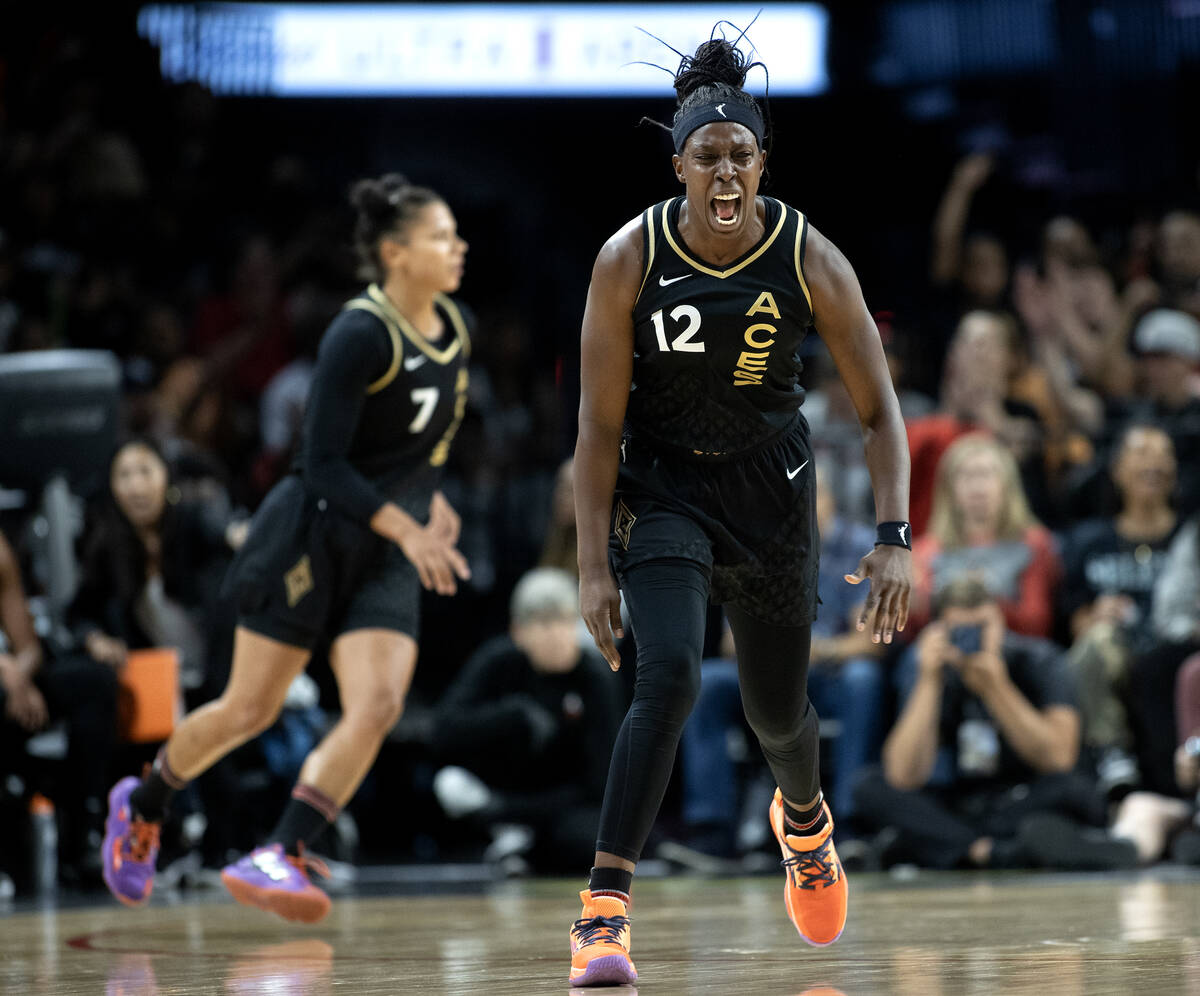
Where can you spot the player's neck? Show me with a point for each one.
(415, 304)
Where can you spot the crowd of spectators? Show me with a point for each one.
(1041, 709)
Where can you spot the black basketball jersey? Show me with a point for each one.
(716, 361)
(413, 410)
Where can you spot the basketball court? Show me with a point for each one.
(932, 935)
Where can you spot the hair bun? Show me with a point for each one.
(716, 62)
(378, 198)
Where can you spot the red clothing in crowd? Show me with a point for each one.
(1024, 574)
(928, 438)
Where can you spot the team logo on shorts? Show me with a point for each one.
(623, 522)
(298, 581)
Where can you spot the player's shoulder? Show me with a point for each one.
(361, 312)
(620, 258)
(361, 322)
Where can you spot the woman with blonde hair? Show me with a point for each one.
(981, 524)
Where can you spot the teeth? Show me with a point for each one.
(731, 221)
(727, 197)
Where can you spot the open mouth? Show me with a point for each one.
(727, 209)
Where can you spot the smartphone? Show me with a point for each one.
(968, 639)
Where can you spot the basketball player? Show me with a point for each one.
(340, 548)
(694, 477)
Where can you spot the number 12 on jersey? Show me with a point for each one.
(683, 342)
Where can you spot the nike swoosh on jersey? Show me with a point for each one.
(793, 473)
(412, 362)
(663, 281)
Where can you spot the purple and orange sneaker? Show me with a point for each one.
(278, 883)
(130, 847)
(600, 943)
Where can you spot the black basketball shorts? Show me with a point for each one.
(750, 522)
(307, 571)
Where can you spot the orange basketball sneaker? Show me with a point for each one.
(815, 892)
(600, 944)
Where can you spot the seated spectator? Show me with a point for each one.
(527, 730)
(1166, 377)
(846, 683)
(35, 692)
(151, 572)
(1111, 566)
(1168, 348)
(981, 524)
(974, 397)
(978, 770)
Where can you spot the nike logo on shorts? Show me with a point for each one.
(793, 473)
(412, 362)
(663, 281)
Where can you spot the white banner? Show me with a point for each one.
(293, 50)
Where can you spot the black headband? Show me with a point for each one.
(697, 117)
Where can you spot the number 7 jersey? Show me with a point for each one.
(716, 361)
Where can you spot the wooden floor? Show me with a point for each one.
(936, 935)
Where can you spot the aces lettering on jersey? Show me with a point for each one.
(751, 364)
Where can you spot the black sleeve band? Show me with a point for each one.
(894, 534)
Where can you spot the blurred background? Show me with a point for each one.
(1016, 182)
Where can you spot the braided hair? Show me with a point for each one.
(716, 72)
(386, 206)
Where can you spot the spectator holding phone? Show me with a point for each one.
(978, 770)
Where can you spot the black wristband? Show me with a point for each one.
(894, 534)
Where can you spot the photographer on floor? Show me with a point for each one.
(980, 768)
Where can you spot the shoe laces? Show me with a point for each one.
(598, 929)
(809, 869)
(307, 863)
(143, 838)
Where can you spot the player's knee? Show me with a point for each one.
(380, 710)
(250, 716)
(781, 729)
(668, 680)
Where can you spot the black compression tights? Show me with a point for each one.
(667, 602)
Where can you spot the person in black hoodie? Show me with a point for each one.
(527, 729)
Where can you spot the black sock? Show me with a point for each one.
(615, 883)
(151, 799)
(306, 814)
(805, 822)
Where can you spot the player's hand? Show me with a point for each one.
(600, 606)
(437, 562)
(890, 571)
(443, 520)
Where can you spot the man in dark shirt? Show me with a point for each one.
(527, 728)
(978, 770)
